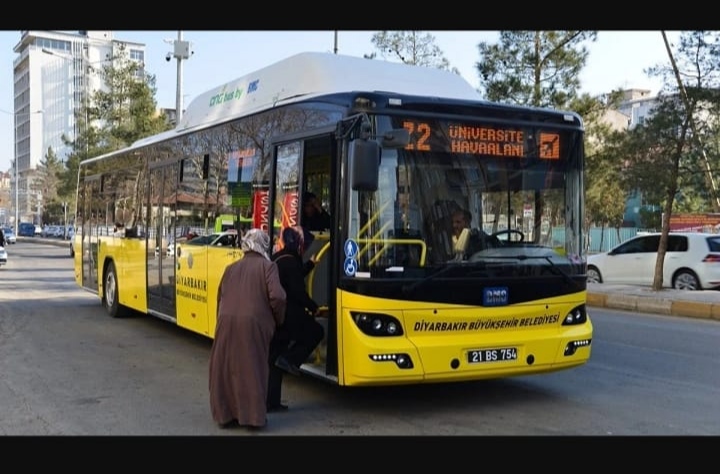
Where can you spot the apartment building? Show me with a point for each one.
(636, 106)
(53, 73)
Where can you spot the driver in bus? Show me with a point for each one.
(477, 240)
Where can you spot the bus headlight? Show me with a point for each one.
(376, 324)
(576, 316)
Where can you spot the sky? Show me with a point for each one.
(617, 59)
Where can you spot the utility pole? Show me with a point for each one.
(65, 229)
(335, 46)
(181, 51)
(17, 177)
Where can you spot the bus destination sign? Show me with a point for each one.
(479, 140)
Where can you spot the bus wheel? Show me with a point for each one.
(110, 292)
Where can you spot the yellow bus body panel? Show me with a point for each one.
(199, 271)
(128, 255)
(438, 337)
(192, 292)
(131, 272)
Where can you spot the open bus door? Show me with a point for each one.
(308, 163)
(312, 162)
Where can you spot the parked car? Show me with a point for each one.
(692, 261)
(228, 238)
(9, 235)
(169, 250)
(3, 256)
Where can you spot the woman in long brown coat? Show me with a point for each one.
(251, 305)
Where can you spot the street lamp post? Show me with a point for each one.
(17, 164)
(181, 51)
(65, 232)
(17, 178)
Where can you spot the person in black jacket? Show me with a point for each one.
(315, 218)
(2, 238)
(300, 334)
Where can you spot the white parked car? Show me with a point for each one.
(3, 256)
(692, 261)
(169, 251)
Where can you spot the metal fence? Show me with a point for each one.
(601, 239)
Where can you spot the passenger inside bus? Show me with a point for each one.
(315, 218)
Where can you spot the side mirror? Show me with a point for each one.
(364, 158)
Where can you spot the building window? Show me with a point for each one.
(53, 44)
(137, 55)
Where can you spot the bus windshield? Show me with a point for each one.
(472, 192)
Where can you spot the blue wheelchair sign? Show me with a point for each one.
(350, 266)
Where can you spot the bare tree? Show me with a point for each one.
(410, 47)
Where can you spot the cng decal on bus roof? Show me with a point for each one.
(225, 96)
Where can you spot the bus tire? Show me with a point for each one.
(110, 292)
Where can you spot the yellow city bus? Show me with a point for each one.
(392, 151)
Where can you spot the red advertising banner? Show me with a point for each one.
(290, 207)
(261, 208)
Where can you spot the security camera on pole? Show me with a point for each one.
(181, 50)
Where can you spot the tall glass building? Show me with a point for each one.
(53, 73)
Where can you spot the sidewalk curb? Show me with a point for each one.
(45, 241)
(690, 304)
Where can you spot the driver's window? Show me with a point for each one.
(226, 241)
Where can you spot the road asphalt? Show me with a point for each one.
(703, 304)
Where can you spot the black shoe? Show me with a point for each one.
(228, 424)
(282, 363)
(279, 408)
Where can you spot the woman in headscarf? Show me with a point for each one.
(300, 334)
(251, 305)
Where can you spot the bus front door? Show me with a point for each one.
(161, 237)
(307, 163)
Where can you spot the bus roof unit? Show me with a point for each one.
(307, 74)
